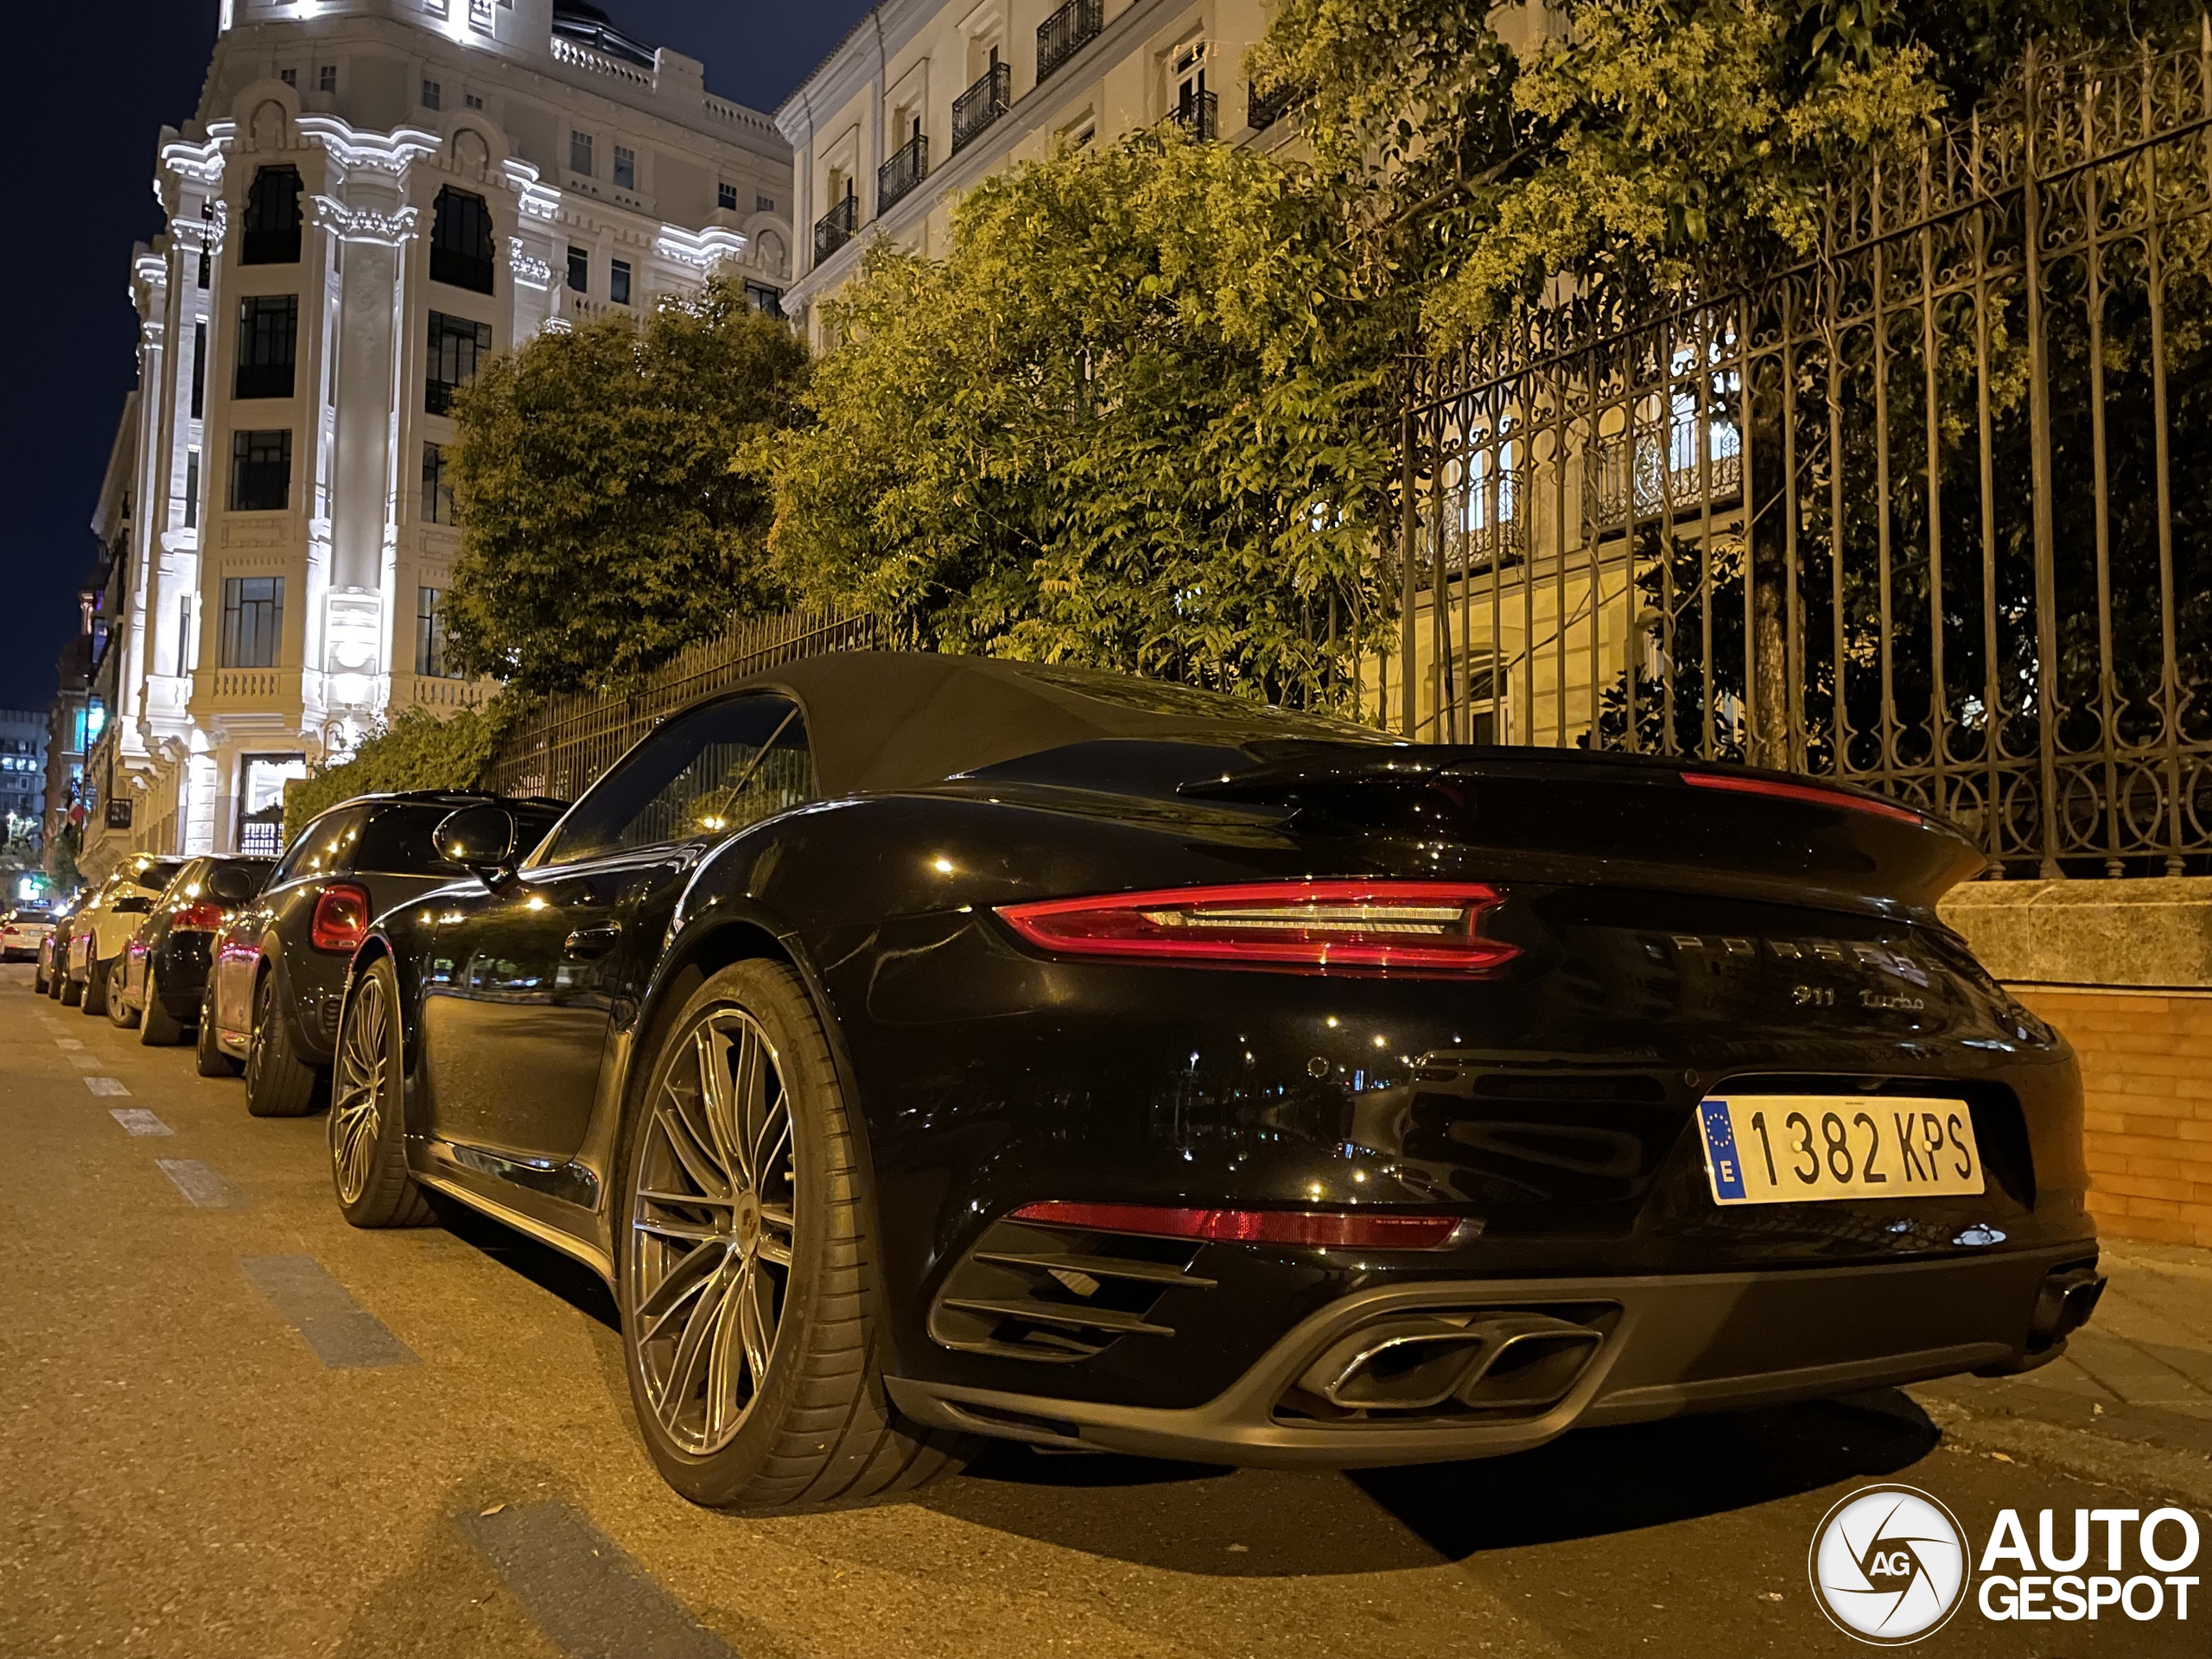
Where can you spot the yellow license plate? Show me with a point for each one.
(1798, 1148)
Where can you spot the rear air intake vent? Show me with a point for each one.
(1058, 1293)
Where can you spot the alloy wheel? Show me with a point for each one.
(357, 1091)
(712, 1204)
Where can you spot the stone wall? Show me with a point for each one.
(2124, 968)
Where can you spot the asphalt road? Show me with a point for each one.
(233, 1426)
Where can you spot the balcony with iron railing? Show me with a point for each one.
(1066, 32)
(836, 227)
(1659, 475)
(1264, 106)
(974, 110)
(906, 167)
(1198, 114)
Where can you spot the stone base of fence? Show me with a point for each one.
(2124, 968)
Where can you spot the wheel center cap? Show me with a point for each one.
(748, 1220)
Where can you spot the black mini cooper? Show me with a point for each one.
(928, 1048)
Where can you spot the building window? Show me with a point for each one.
(618, 282)
(431, 634)
(456, 346)
(474, 100)
(726, 197)
(626, 168)
(253, 617)
(580, 152)
(261, 472)
(185, 642)
(764, 299)
(437, 486)
(578, 271)
(326, 79)
(199, 370)
(269, 327)
(460, 242)
(762, 203)
(272, 218)
(191, 488)
(289, 77)
(431, 94)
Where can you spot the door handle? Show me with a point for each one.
(589, 941)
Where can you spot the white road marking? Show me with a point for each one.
(106, 1085)
(138, 1121)
(67, 1042)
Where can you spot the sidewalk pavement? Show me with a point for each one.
(2130, 1402)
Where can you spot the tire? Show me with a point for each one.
(813, 1426)
(120, 1014)
(368, 1129)
(93, 998)
(38, 975)
(209, 1057)
(157, 1027)
(278, 1083)
(70, 993)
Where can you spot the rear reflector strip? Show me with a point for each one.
(1811, 793)
(1422, 927)
(1335, 1228)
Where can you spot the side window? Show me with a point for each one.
(323, 846)
(705, 773)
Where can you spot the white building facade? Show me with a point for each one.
(375, 195)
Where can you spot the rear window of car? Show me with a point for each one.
(396, 840)
(157, 875)
(323, 847)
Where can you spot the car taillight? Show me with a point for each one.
(1812, 793)
(341, 919)
(1333, 1228)
(201, 916)
(1421, 927)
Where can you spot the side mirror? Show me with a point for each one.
(481, 840)
(229, 884)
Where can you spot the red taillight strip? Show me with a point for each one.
(1335, 931)
(1809, 793)
(1334, 1228)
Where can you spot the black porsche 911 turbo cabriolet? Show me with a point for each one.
(927, 1048)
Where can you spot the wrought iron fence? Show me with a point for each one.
(562, 749)
(1930, 513)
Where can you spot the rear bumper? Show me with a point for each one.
(1677, 1344)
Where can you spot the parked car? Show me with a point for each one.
(933, 1047)
(45, 976)
(104, 924)
(279, 964)
(23, 930)
(162, 973)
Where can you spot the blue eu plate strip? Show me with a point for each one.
(1720, 1148)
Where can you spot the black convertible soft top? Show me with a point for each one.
(892, 720)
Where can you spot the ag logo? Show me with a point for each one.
(1889, 1565)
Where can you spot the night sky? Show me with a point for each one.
(91, 89)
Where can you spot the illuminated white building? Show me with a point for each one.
(375, 195)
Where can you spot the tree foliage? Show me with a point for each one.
(1650, 138)
(1133, 418)
(418, 750)
(603, 525)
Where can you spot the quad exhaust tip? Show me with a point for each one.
(1487, 1362)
